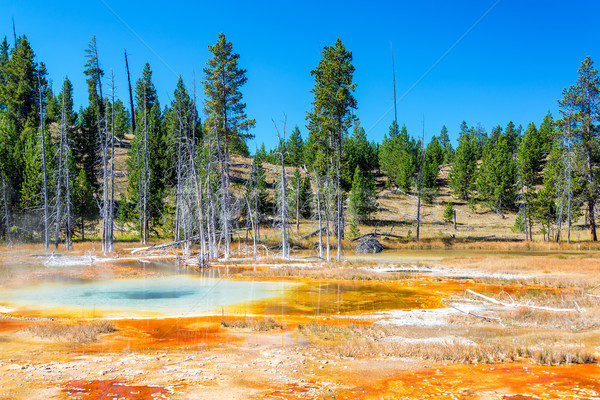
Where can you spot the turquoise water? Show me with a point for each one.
(172, 295)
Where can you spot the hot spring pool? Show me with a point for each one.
(181, 294)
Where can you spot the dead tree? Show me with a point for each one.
(283, 206)
(319, 213)
(419, 183)
(143, 184)
(111, 211)
(46, 236)
(62, 175)
(196, 176)
(5, 209)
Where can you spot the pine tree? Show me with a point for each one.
(122, 119)
(18, 94)
(463, 172)
(434, 156)
(496, 177)
(398, 157)
(227, 116)
(363, 197)
(359, 151)
(332, 115)
(447, 150)
(530, 160)
(295, 148)
(222, 87)
(583, 100)
(513, 137)
(448, 212)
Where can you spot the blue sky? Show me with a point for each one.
(513, 64)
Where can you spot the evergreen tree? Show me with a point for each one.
(71, 115)
(359, 151)
(496, 178)
(122, 119)
(434, 156)
(18, 94)
(32, 174)
(448, 212)
(582, 102)
(86, 141)
(363, 197)
(398, 157)
(546, 133)
(530, 157)
(447, 150)
(222, 87)
(513, 137)
(331, 115)
(294, 148)
(463, 172)
(480, 136)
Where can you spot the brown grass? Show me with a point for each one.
(82, 332)
(358, 341)
(254, 324)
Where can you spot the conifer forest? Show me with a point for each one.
(58, 164)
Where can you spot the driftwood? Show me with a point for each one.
(373, 234)
(314, 233)
(521, 305)
(163, 245)
(474, 315)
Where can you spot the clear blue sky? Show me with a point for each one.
(512, 65)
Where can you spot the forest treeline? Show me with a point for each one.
(57, 164)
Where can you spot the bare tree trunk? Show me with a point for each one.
(130, 96)
(340, 209)
(111, 210)
(197, 178)
(298, 206)
(317, 180)
(69, 217)
(59, 182)
(145, 177)
(284, 239)
(178, 191)
(569, 192)
(253, 228)
(327, 216)
(44, 168)
(419, 184)
(256, 200)
(6, 216)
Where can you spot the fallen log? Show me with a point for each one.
(163, 245)
(314, 233)
(521, 305)
(373, 234)
(490, 319)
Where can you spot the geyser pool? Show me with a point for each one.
(182, 294)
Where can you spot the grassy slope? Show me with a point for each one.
(399, 209)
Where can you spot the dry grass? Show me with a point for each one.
(254, 324)
(82, 332)
(359, 341)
